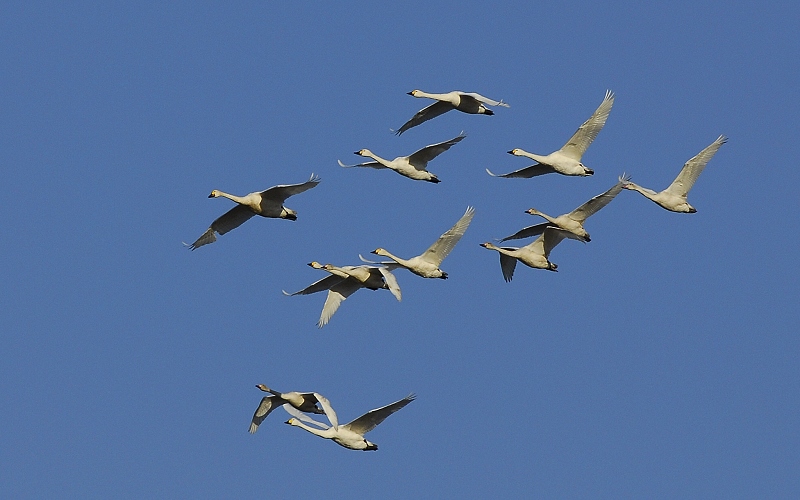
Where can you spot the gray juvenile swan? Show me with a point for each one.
(350, 435)
(572, 221)
(462, 101)
(302, 401)
(674, 197)
(267, 203)
(412, 166)
(567, 160)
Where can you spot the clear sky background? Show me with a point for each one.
(661, 361)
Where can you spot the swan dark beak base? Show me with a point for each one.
(510, 152)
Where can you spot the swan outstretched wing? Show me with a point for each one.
(527, 232)
(324, 284)
(586, 133)
(371, 419)
(299, 415)
(228, 221)
(507, 265)
(425, 114)
(328, 409)
(485, 100)
(278, 194)
(591, 207)
(336, 295)
(391, 282)
(264, 409)
(527, 172)
(371, 164)
(551, 237)
(692, 168)
(442, 247)
(428, 153)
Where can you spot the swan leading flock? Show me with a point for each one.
(345, 280)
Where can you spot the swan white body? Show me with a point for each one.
(344, 282)
(302, 401)
(267, 203)
(674, 198)
(350, 435)
(466, 102)
(413, 166)
(567, 160)
(535, 255)
(572, 221)
(427, 264)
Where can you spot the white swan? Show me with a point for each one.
(572, 221)
(427, 264)
(535, 255)
(350, 435)
(412, 166)
(566, 160)
(267, 203)
(344, 282)
(303, 401)
(674, 197)
(471, 103)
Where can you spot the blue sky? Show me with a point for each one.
(659, 362)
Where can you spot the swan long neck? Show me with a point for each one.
(336, 271)
(532, 156)
(238, 199)
(543, 215)
(395, 258)
(326, 433)
(439, 97)
(382, 161)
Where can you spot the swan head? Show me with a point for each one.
(370, 446)
(263, 387)
(488, 245)
(415, 93)
(214, 194)
(532, 211)
(291, 421)
(380, 251)
(515, 152)
(288, 213)
(316, 265)
(363, 152)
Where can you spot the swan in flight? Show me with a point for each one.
(535, 255)
(344, 282)
(349, 435)
(302, 401)
(267, 203)
(566, 160)
(412, 166)
(572, 221)
(427, 264)
(674, 197)
(467, 102)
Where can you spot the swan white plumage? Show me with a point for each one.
(344, 282)
(567, 160)
(412, 166)
(674, 198)
(267, 203)
(467, 102)
(350, 435)
(572, 221)
(302, 401)
(535, 255)
(427, 264)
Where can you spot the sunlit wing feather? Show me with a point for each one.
(692, 168)
(428, 153)
(371, 419)
(279, 193)
(586, 133)
(592, 206)
(444, 245)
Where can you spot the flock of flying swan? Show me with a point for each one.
(343, 281)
